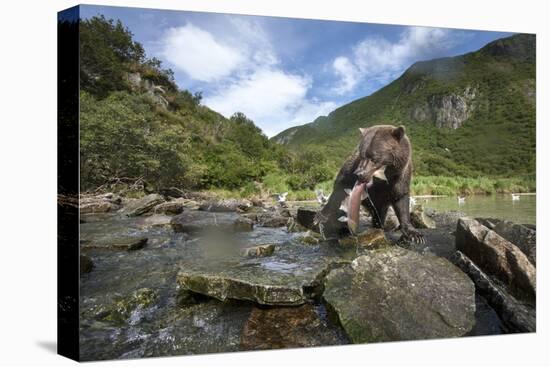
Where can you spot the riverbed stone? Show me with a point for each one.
(259, 251)
(420, 219)
(497, 257)
(523, 237)
(169, 207)
(121, 243)
(226, 205)
(395, 294)
(86, 264)
(143, 205)
(287, 327)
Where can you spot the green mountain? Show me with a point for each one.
(471, 115)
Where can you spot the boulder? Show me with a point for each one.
(497, 257)
(200, 221)
(259, 251)
(446, 219)
(86, 264)
(169, 207)
(516, 316)
(489, 222)
(229, 205)
(273, 221)
(420, 219)
(288, 327)
(523, 237)
(122, 243)
(395, 294)
(143, 205)
(305, 217)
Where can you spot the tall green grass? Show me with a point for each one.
(443, 185)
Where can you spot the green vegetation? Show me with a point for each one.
(140, 132)
(136, 137)
(496, 142)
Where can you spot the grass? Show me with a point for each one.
(451, 186)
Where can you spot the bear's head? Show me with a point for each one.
(384, 152)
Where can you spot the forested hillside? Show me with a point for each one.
(140, 131)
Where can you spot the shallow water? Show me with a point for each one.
(490, 206)
(162, 327)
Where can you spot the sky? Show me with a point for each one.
(283, 72)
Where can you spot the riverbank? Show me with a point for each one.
(247, 275)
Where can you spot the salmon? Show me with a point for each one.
(356, 196)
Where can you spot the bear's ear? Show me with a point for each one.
(399, 132)
(363, 130)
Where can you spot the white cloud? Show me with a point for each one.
(241, 72)
(272, 98)
(378, 59)
(198, 54)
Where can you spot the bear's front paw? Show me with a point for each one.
(412, 234)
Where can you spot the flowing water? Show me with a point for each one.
(490, 206)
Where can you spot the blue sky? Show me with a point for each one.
(284, 72)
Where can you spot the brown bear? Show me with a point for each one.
(382, 163)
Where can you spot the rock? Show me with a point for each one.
(122, 243)
(292, 275)
(392, 222)
(155, 221)
(273, 221)
(305, 218)
(447, 219)
(169, 207)
(200, 221)
(516, 316)
(449, 110)
(86, 264)
(293, 226)
(419, 219)
(103, 203)
(523, 237)
(287, 327)
(259, 251)
(98, 207)
(229, 205)
(122, 308)
(497, 257)
(243, 225)
(487, 320)
(310, 238)
(395, 294)
(489, 222)
(373, 238)
(143, 205)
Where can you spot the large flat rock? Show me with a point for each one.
(396, 294)
(291, 275)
